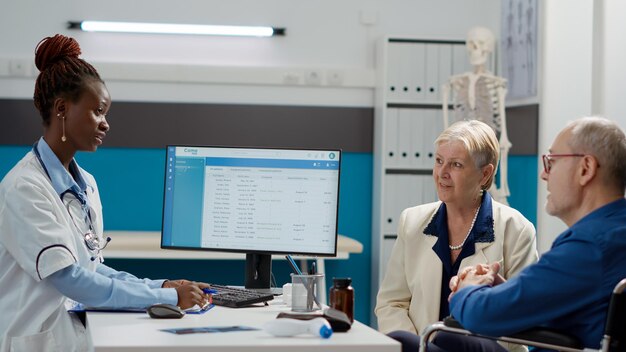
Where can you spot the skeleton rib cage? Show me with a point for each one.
(481, 97)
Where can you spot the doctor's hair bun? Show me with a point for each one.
(61, 73)
(53, 49)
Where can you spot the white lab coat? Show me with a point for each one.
(38, 238)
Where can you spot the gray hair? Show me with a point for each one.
(480, 141)
(606, 141)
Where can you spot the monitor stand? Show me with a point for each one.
(259, 273)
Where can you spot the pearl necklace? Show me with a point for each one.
(460, 246)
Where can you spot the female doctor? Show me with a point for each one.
(51, 219)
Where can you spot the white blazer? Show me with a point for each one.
(409, 295)
(38, 238)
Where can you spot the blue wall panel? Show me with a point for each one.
(523, 183)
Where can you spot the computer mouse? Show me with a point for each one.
(165, 311)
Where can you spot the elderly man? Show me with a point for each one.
(569, 288)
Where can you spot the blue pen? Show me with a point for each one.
(299, 272)
(293, 264)
(209, 291)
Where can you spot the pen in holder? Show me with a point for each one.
(303, 288)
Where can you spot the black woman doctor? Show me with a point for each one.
(51, 219)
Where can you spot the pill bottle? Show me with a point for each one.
(342, 296)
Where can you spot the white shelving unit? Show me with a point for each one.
(407, 120)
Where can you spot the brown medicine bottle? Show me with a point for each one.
(342, 296)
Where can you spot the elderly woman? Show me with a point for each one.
(467, 227)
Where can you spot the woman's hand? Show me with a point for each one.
(175, 283)
(190, 294)
(481, 274)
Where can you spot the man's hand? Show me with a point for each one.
(481, 274)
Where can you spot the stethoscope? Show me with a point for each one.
(92, 240)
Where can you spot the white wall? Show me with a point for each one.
(321, 35)
(566, 80)
(613, 80)
(583, 73)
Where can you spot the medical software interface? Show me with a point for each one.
(251, 200)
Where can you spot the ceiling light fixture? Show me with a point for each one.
(169, 28)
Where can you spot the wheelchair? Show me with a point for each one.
(614, 339)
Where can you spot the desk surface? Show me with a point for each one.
(147, 244)
(138, 332)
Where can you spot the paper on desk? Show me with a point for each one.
(208, 329)
(199, 310)
(74, 306)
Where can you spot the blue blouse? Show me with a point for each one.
(481, 232)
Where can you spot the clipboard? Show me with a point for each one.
(80, 308)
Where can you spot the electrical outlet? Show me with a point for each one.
(334, 78)
(313, 77)
(291, 78)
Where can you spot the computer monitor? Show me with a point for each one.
(258, 201)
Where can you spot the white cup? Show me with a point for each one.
(287, 294)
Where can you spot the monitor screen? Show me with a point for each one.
(258, 201)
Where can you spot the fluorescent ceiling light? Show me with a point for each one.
(169, 28)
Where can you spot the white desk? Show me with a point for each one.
(137, 332)
(147, 245)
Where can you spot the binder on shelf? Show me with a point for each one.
(415, 189)
(460, 61)
(431, 94)
(417, 137)
(393, 69)
(437, 116)
(406, 73)
(429, 191)
(403, 191)
(389, 206)
(418, 84)
(405, 135)
(390, 138)
(445, 66)
(431, 132)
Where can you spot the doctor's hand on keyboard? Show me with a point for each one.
(189, 293)
(238, 297)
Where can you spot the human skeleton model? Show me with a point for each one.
(479, 95)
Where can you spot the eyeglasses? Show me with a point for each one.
(548, 158)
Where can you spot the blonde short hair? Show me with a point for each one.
(605, 140)
(480, 141)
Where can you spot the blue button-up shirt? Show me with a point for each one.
(568, 289)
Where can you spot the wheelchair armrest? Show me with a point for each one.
(538, 334)
(450, 322)
(550, 336)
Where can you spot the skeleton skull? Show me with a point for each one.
(480, 43)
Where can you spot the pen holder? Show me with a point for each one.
(303, 288)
